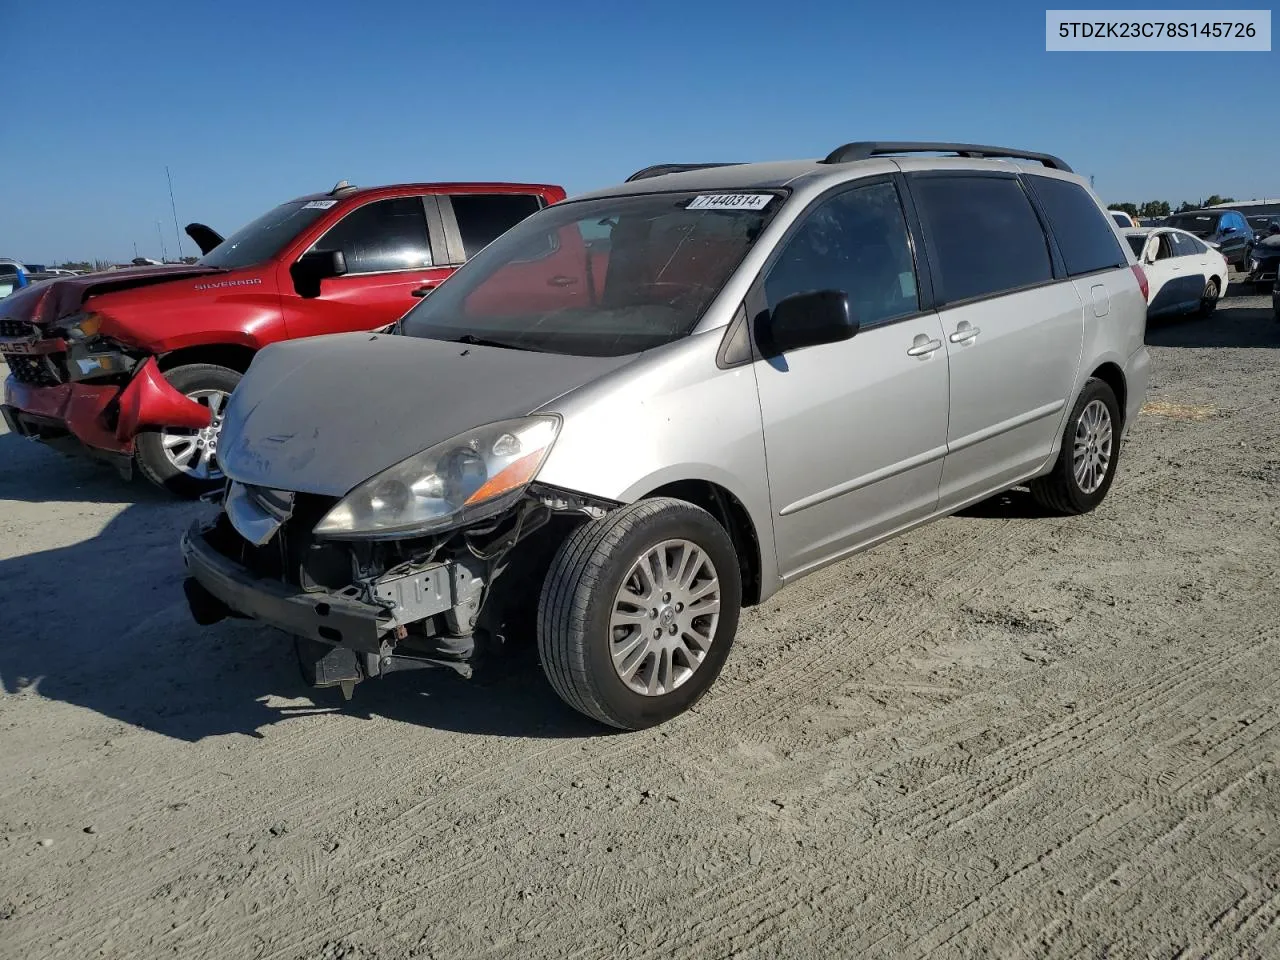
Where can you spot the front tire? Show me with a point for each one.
(638, 612)
(1086, 464)
(180, 460)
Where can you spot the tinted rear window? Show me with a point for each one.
(984, 236)
(1087, 241)
(1202, 225)
(483, 217)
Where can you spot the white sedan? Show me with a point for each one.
(1184, 274)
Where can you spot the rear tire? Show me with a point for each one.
(616, 639)
(159, 453)
(1209, 298)
(1080, 479)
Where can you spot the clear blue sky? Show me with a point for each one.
(251, 103)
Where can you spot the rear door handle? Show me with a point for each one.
(423, 290)
(964, 332)
(923, 347)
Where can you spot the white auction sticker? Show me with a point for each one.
(319, 204)
(730, 201)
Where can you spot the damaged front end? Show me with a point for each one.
(362, 608)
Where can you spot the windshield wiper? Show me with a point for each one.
(475, 341)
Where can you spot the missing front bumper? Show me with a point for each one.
(339, 618)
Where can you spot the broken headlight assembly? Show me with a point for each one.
(474, 475)
(90, 356)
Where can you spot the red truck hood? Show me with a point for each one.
(44, 302)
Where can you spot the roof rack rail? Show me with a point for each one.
(866, 149)
(659, 169)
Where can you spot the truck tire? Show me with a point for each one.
(638, 611)
(181, 460)
(1086, 464)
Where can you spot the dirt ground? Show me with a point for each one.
(1004, 735)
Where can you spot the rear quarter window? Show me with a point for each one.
(983, 235)
(1086, 240)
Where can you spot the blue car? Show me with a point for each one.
(13, 276)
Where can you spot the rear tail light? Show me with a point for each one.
(1142, 281)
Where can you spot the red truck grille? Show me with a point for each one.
(37, 369)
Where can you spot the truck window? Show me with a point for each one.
(382, 237)
(483, 217)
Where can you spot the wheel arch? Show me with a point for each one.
(733, 515)
(1112, 375)
(235, 356)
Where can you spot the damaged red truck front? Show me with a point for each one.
(134, 366)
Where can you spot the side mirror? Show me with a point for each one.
(1228, 230)
(314, 266)
(807, 320)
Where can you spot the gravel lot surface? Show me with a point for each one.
(1003, 734)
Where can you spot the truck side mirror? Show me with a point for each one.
(313, 267)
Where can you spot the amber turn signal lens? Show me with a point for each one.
(517, 474)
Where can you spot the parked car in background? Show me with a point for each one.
(1226, 230)
(1184, 274)
(1264, 260)
(1261, 225)
(13, 276)
(762, 369)
(135, 365)
(1122, 219)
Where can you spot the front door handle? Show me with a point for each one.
(423, 290)
(965, 332)
(923, 347)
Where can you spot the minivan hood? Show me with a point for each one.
(322, 414)
(49, 300)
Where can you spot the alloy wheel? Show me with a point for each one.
(195, 452)
(1091, 455)
(664, 617)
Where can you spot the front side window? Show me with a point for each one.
(983, 233)
(1164, 246)
(382, 236)
(1087, 241)
(651, 267)
(260, 240)
(1137, 243)
(483, 217)
(855, 242)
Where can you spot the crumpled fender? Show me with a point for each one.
(151, 401)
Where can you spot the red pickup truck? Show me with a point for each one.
(134, 366)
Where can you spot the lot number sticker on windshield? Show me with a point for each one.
(319, 204)
(730, 201)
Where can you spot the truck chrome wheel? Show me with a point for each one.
(664, 618)
(1092, 453)
(195, 452)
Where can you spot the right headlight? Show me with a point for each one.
(474, 473)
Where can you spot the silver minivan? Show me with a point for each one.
(647, 407)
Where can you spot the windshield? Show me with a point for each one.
(1137, 242)
(599, 277)
(265, 237)
(1203, 225)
